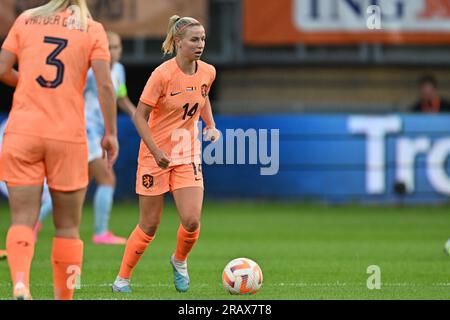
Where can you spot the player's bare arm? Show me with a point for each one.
(141, 122)
(125, 105)
(210, 132)
(8, 75)
(107, 100)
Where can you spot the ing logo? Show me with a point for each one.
(374, 280)
(74, 21)
(73, 280)
(373, 17)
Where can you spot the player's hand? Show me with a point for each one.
(162, 160)
(110, 146)
(211, 134)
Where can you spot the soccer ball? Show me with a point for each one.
(242, 276)
(447, 247)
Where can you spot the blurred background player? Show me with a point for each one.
(429, 99)
(175, 96)
(98, 166)
(46, 137)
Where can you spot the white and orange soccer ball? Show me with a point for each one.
(242, 276)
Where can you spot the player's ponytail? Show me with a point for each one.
(169, 44)
(177, 27)
(55, 6)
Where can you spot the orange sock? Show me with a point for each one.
(136, 245)
(67, 258)
(186, 241)
(20, 250)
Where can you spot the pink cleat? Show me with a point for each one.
(108, 238)
(36, 230)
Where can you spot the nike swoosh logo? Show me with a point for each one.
(198, 179)
(139, 253)
(174, 93)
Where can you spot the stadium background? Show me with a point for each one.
(271, 76)
(313, 70)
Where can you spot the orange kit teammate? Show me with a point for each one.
(169, 109)
(54, 45)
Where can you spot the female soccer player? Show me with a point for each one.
(54, 46)
(169, 157)
(98, 166)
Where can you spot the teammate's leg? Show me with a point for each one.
(150, 208)
(103, 200)
(189, 205)
(67, 252)
(67, 178)
(46, 210)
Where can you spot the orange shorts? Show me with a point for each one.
(27, 160)
(153, 181)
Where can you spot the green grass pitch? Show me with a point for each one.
(305, 252)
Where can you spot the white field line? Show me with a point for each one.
(282, 284)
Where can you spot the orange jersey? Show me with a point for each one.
(53, 63)
(177, 100)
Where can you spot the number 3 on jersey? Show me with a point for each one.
(51, 60)
(189, 112)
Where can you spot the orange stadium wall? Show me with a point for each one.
(129, 18)
(285, 22)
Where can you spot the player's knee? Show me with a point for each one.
(23, 216)
(149, 228)
(107, 179)
(112, 178)
(190, 225)
(111, 181)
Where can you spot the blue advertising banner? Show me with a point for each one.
(326, 158)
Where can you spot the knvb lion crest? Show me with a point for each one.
(204, 90)
(147, 181)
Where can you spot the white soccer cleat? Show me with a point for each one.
(180, 274)
(21, 292)
(121, 285)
